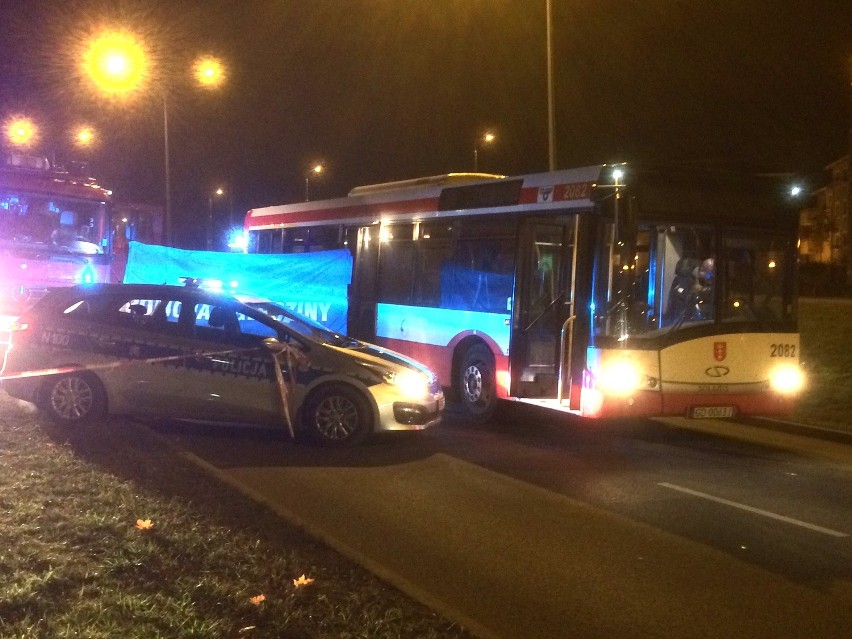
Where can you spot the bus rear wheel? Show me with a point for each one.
(475, 384)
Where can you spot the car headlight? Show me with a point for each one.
(787, 379)
(412, 384)
(619, 377)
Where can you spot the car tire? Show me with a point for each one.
(73, 398)
(336, 416)
(475, 385)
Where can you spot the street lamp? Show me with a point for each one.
(316, 170)
(84, 136)
(117, 62)
(21, 132)
(486, 138)
(209, 72)
(119, 66)
(217, 193)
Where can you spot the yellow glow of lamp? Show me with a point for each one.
(21, 132)
(116, 61)
(84, 136)
(209, 72)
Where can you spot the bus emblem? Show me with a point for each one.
(545, 194)
(720, 351)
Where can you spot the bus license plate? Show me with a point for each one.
(711, 412)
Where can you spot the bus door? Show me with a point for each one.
(542, 321)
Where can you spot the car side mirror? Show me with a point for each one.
(273, 344)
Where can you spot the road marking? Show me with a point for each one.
(756, 511)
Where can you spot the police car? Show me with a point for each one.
(85, 352)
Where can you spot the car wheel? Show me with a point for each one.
(336, 416)
(476, 384)
(75, 398)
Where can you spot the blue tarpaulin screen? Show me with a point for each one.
(312, 284)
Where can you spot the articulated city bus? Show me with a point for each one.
(55, 230)
(609, 290)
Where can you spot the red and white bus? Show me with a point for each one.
(608, 290)
(55, 230)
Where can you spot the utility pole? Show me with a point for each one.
(848, 247)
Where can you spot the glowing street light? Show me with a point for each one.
(84, 136)
(117, 63)
(209, 72)
(487, 138)
(315, 170)
(21, 132)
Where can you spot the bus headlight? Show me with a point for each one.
(619, 377)
(410, 383)
(787, 379)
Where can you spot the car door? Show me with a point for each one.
(233, 370)
(149, 348)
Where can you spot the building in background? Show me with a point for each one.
(825, 257)
(134, 222)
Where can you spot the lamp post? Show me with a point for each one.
(118, 64)
(209, 73)
(551, 109)
(316, 169)
(487, 138)
(217, 193)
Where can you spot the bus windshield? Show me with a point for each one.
(667, 278)
(52, 223)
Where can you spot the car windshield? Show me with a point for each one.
(301, 324)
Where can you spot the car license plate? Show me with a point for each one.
(711, 412)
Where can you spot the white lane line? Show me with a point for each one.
(757, 511)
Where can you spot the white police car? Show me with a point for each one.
(88, 351)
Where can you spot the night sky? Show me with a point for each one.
(383, 90)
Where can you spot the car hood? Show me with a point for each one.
(376, 355)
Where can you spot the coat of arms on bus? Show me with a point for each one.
(720, 351)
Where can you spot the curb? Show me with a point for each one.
(797, 428)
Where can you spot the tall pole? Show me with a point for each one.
(551, 110)
(210, 223)
(849, 180)
(168, 173)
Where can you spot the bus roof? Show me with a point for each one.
(434, 180)
(436, 196)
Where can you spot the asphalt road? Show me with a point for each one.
(538, 525)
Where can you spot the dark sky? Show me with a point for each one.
(392, 89)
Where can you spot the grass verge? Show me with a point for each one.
(826, 336)
(212, 563)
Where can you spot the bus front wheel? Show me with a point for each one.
(476, 384)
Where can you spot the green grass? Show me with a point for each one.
(826, 340)
(75, 565)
